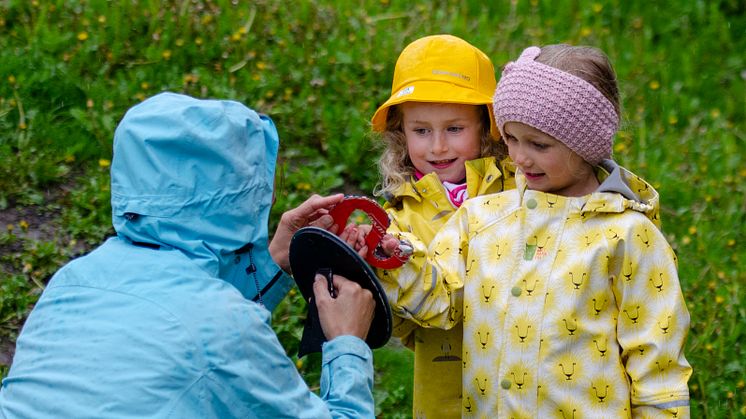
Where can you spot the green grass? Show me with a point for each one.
(70, 69)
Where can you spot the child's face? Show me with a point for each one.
(548, 164)
(441, 137)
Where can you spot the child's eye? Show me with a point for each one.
(509, 139)
(455, 129)
(539, 146)
(420, 131)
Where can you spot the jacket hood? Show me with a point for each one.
(194, 175)
(620, 190)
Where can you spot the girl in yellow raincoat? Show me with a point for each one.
(441, 146)
(571, 300)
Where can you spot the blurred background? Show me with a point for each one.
(70, 69)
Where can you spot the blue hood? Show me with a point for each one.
(196, 175)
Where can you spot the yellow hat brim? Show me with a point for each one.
(434, 92)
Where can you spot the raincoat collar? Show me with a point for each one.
(483, 170)
(620, 190)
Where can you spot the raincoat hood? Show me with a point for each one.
(196, 175)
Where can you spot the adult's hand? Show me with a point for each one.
(313, 212)
(350, 313)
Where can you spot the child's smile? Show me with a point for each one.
(547, 164)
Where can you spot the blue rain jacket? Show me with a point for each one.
(159, 321)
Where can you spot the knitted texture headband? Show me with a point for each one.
(564, 106)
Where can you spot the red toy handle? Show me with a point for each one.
(379, 223)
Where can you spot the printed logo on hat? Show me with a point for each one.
(406, 91)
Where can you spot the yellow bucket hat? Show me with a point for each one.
(441, 68)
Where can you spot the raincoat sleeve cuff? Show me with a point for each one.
(276, 290)
(347, 377)
(345, 345)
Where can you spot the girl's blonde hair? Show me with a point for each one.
(396, 168)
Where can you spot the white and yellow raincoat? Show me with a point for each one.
(418, 210)
(571, 305)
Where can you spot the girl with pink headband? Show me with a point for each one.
(571, 299)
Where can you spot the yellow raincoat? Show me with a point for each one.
(571, 305)
(417, 211)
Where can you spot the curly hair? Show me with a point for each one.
(396, 168)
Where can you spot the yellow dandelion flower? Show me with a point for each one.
(269, 94)
(741, 384)
(692, 230)
(384, 2)
(719, 299)
(102, 19)
(69, 158)
(721, 274)
(104, 162)
(729, 395)
(23, 224)
(711, 285)
(22, 125)
(12, 79)
(236, 37)
(10, 227)
(303, 186)
(585, 32)
(256, 77)
(715, 113)
(89, 103)
(708, 347)
(620, 147)
(299, 364)
(708, 198)
(82, 36)
(144, 85)
(166, 54)
(597, 7)
(292, 292)
(27, 267)
(654, 85)
(179, 42)
(673, 120)
(686, 240)
(198, 41)
(206, 18)
(731, 243)
(35, 3)
(261, 65)
(242, 30)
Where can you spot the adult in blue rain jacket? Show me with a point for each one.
(170, 317)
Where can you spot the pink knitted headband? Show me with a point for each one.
(564, 106)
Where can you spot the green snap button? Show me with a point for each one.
(531, 203)
(505, 384)
(516, 291)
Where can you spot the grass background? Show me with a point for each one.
(70, 69)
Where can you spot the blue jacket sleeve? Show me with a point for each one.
(252, 376)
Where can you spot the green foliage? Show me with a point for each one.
(70, 69)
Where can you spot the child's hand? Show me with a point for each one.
(354, 236)
(389, 244)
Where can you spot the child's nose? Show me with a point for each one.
(519, 156)
(439, 144)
